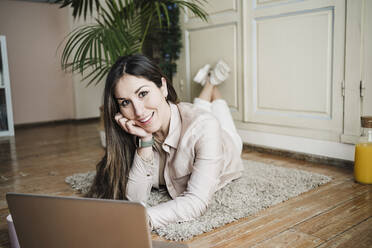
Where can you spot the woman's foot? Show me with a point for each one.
(202, 74)
(220, 73)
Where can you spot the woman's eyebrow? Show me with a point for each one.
(122, 98)
(140, 88)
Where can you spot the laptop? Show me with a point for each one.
(43, 221)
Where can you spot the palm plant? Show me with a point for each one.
(120, 28)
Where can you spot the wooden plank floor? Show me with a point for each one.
(338, 214)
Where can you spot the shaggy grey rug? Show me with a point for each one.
(261, 186)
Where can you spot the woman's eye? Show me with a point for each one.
(124, 103)
(143, 93)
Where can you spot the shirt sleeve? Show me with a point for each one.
(140, 178)
(203, 180)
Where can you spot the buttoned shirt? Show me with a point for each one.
(200, 159)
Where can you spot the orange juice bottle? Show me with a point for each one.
(363, 153)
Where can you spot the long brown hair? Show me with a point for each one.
(112, 171)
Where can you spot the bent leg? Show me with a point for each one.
(216, 94)
(207, 91)
(205, 97)
(221, 111)
(203, 104)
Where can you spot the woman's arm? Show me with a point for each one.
(143, 168)
(203, 180)
(141, 175)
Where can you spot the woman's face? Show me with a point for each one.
(142, 101)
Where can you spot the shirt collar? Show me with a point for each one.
(174, 127)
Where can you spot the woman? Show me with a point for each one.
(154, 141)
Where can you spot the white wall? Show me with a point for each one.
(87, 99)
(41, 91)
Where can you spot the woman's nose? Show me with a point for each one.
(138, 108)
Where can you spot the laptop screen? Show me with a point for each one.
(54, 221)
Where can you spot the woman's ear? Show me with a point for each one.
(163, 87)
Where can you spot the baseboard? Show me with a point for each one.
(300, 156)
(56, 122)
(309, 149)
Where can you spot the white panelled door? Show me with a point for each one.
(294, 66)
(366, 87)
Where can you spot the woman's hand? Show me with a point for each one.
(130, 126)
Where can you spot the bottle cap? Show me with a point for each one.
(366, 121)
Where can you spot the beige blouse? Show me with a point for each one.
(200, 158)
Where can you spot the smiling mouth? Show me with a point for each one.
(147, 119)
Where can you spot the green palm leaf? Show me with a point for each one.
(120, 29)
(98, 46)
